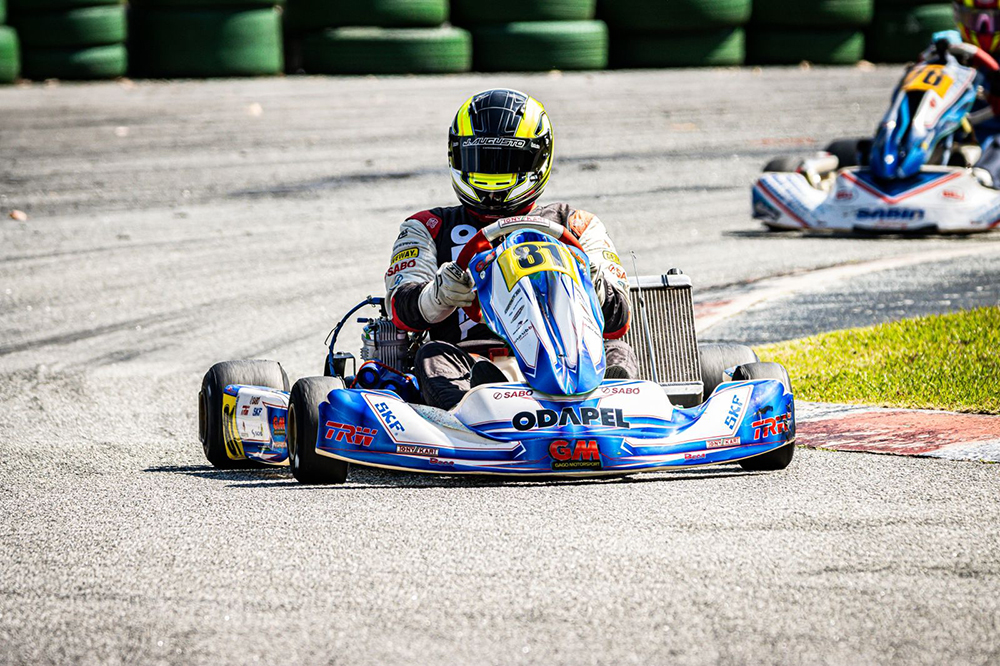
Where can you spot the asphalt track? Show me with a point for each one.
(171, 225)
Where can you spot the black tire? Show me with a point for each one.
(537, 46)
(206, 43)
(302, 428)
(393, 51)
(90, 63)
(899, 34)
(86, 26)
(10, 55)
(783, 164)
(254, 373)
(847, 151)
(790, 46)
(27, 6)
(821, 14)
(673, 15)
(476, 12)
(719, 356)
(781, 457)
(718, 48)
(311, 15)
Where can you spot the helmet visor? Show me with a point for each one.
(495, 154)
(979, 21)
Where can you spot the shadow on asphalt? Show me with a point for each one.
(362, 478)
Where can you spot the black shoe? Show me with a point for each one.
(615, 372)
(484, 372)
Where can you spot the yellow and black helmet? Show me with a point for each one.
(500, 151)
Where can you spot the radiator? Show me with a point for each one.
(666, 302)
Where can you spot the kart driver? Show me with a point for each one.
(493, 179)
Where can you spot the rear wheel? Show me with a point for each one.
(717, 357)
(220, 375)
(781, 457)
(302, 431)
(847, 152)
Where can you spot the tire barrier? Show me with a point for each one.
(768, 46)
(726, 47)
(387, 51)
(477, 12)
(71, 39)
(540, 46)
(313, 15)
(205, 43)
(900, 31)
(10, 60)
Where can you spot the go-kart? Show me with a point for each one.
(913, 177)
(558, 416)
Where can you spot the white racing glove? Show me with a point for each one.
(597, 277)
(450, 289)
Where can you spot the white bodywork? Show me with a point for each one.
(945, 199)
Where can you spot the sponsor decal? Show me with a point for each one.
(245, 410)
(495, 142)
(889, 214)
(612, 257)
(618, 272)
(771, 427)
(722, 442)
(587, 416)
(278, 425)
(403, 234)
(401, 266)
(845, 195)
(620, 390)
(416, 450)
(342, 432)
(734, 412)
(519, 393)
(255, 400)
(694, 456)
(408, 253)
(391, 421)
(581, 454)
(957, 195)
(439, 461)
(257, 431)
(429, 220)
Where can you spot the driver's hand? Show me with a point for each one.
(450, 289)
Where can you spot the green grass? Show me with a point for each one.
(941, 362)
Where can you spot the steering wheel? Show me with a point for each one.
(484, 238)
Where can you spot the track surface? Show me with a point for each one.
(176, 224)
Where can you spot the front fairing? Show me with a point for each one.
(928, 105)
(537, 295)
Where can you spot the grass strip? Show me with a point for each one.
(947, 361)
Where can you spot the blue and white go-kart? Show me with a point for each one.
(558, 416)
(914, 176)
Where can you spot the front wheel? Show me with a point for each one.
(781, 457)
(717, 357)
(210, 416)
(302, 429)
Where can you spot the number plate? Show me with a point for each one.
(526, 259)
(928, 77)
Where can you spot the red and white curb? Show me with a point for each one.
(905, 432)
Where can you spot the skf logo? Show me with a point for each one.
(772, 426)
(341, 432)
(391, 421)
(547, 418)
(890, 214)
(734, 412)
(581, 454)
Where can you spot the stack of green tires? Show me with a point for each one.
(205, 38)
(376, 37)
(901, 29)
(70, 39)
(678, 33)
(826, 32)
(10, 52)
(533, 35)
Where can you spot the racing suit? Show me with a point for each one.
(434, 237)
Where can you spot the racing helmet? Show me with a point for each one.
(979, 23)
(500, 151)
